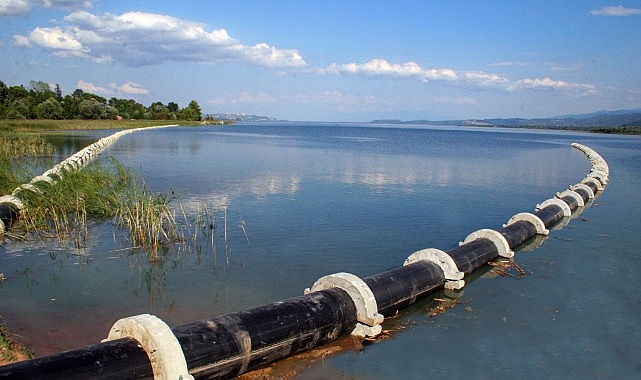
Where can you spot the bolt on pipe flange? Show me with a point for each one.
(364, 300)
(502, 246)
(453, 276)
(532, 219)
(159, 342)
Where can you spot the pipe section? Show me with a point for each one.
(235, 343)
(400, 287)
(226, 346)
(115, 360)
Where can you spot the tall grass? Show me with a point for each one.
(104, 190)
(62, 209)
(16, 144)
(14, 148)
(150, 221)
(39, 125)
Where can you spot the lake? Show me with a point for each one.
(293, 202)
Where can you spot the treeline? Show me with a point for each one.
(39, 101)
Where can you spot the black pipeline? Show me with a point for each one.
(143, 346)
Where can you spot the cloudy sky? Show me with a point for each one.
(335, 60)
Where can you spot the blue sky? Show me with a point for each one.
(335, 60)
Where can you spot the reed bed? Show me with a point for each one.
(14, 148)
(107, 191)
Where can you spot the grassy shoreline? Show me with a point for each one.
(52, 125)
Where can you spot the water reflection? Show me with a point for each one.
(226, 165)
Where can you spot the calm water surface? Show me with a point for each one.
(316, 199)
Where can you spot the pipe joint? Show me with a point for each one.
(594, 181)
(159, 342)
(364, 300)
(530, 218)
(583, 187)
(573, 194)
(567, 212)
(453, 276)
(502, 246)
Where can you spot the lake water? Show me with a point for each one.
(306, 200)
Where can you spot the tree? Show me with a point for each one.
(40, 91)
(40, 101)
(58, 92)
(192, 111)
(4, 93)
(4, 97)
(159, 111)
(91, 109)
(50, 109)
(19, 109)
(173, 107)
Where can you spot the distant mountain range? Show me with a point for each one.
(596, 120)
(621, 121)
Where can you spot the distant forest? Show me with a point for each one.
(39, 101)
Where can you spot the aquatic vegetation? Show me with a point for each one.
(15, 146)
(150, 221)
(63, 208)
(104, 191)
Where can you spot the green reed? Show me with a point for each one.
(101, 191)
(14, 147)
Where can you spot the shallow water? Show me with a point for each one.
(317, 199)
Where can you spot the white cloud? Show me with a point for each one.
(129, 88)
(14, 7)
(484, 79)
(382, 68)
(90, 87)
(547, 83)
(24, 7)
(140, 39)
(618, 10)
(58, 40)
(21, 41)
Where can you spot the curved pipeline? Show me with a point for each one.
(336, 305)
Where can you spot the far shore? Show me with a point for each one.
(52, 125)
(59, 125)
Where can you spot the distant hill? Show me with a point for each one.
(598, 120)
